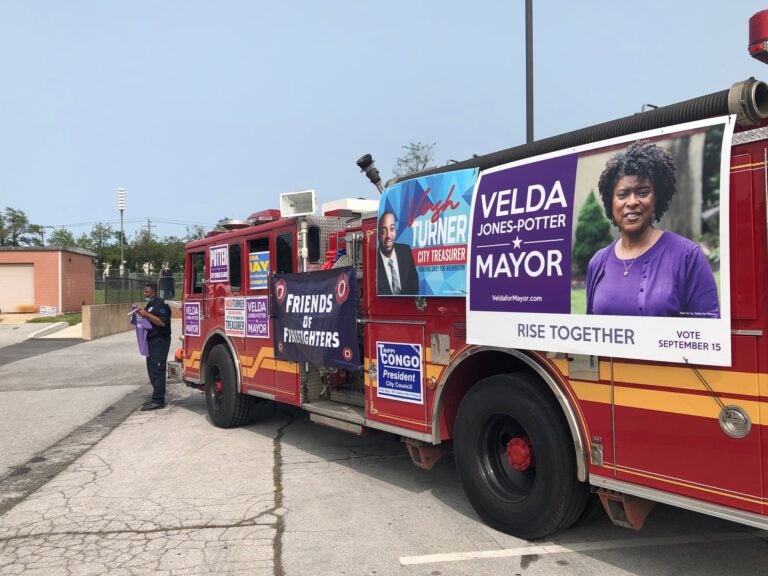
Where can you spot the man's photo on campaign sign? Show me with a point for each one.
(631, 228)
(422, 235)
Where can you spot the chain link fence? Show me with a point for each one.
(111, 288)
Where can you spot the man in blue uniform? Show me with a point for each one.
(158, 344)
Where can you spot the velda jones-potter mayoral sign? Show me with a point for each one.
(652, 211)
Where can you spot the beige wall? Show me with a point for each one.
(105, 319)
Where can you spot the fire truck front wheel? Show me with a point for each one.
(515, 457)
(227, 407)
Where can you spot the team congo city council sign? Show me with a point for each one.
(315, 318)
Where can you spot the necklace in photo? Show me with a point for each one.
(639, 251)
(627, 267)
(624, 262)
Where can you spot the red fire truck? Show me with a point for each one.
(478, 340)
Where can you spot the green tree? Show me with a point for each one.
(16, 230)
(221, 222)
(197, 232)
(84, 241)
(111, 254)
(144, 249)
(101, 237)
(593, 231)
(172, 252)
(61, 237)
(35, 230)
(418, 156)
(710, 210)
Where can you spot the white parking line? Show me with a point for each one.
(578, 547)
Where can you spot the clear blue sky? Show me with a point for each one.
(202, 110)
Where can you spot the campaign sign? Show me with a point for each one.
(218, 263)
(399, 372)
(258, 266)
(234, 316)
(424, 222)
(315, 318)
(191, 323)
(47, 310)
(257, 317)
(521, 237)
(603, 249)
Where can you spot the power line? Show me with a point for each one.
(134, 221)
(91, 223)
(182, 222)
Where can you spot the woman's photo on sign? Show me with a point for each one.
(657, 214)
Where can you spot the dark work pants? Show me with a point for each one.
(158, 355)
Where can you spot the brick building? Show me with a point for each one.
(51, 277)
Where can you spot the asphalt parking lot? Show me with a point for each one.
(89, 485)
(34, 347)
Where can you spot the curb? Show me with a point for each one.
(50, 329)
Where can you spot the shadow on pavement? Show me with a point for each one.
(34, 347)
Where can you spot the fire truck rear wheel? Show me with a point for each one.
(227, 407)
(515, 457)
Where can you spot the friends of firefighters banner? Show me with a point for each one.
(617, 248)
(422, 235)
(315, 318)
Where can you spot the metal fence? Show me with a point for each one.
(114, 289)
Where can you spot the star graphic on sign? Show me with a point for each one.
(516, 242)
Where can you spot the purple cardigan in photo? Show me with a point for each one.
(672, 278)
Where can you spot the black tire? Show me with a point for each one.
(592, 511)
(515, 457)
(227, 408)
(576, 512)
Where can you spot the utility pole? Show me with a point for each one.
(529, 71)
(121, 207)
(149, 228)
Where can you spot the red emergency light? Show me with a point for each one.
(758, 36)
(264, 216)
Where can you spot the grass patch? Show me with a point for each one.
(578, 301)
(71, 319)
